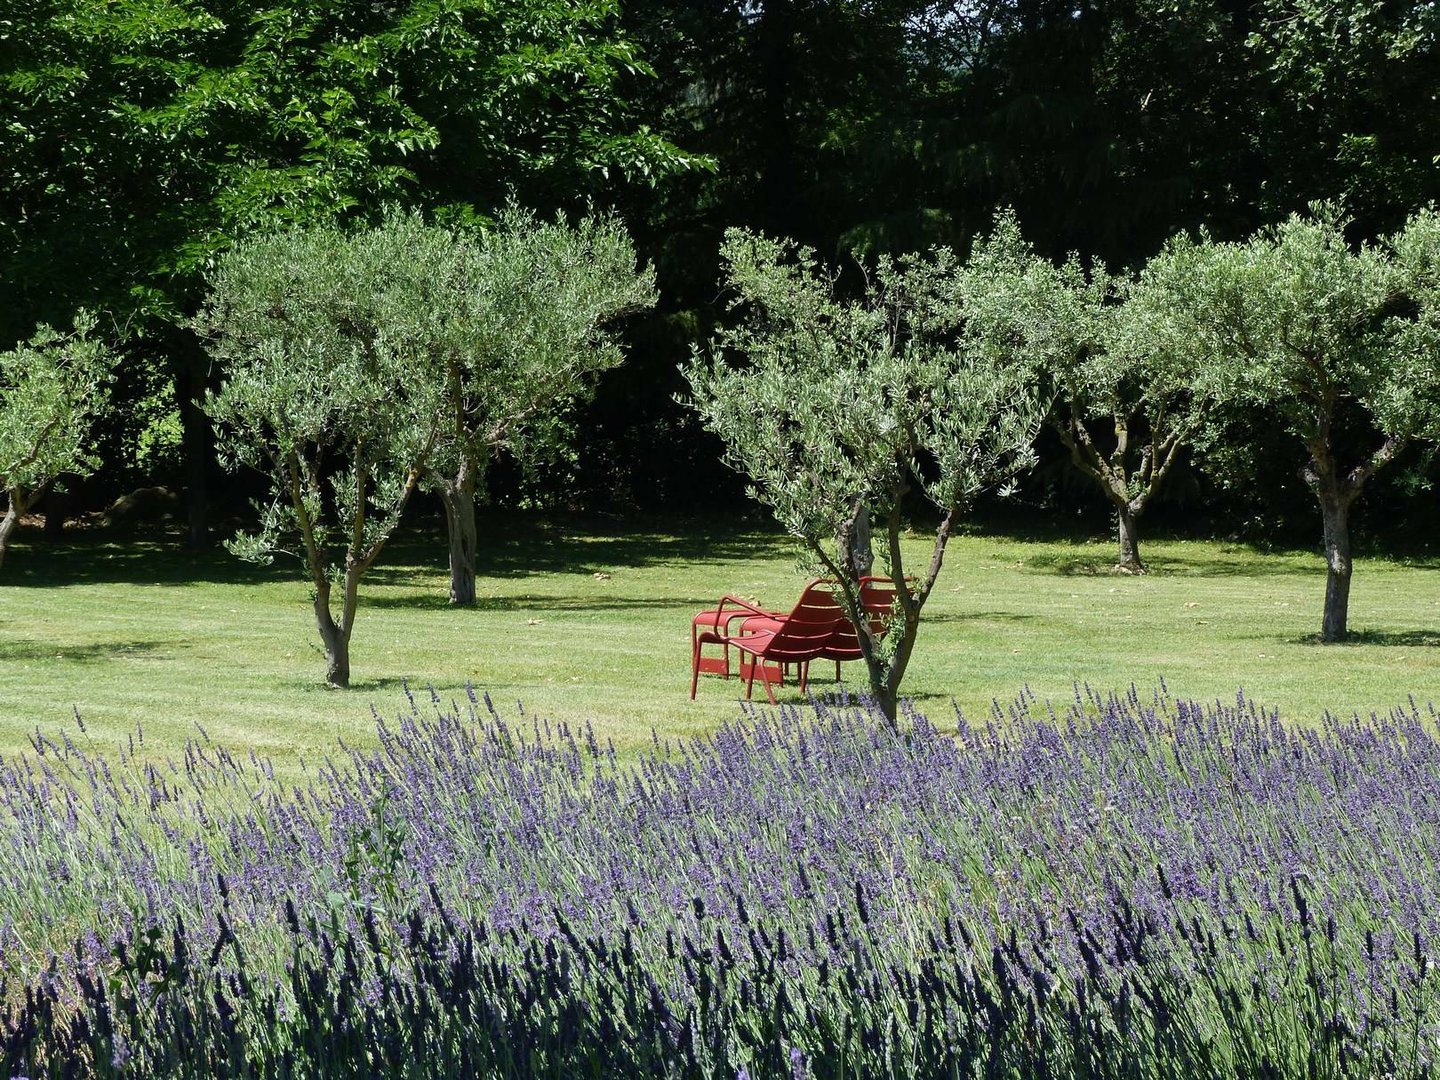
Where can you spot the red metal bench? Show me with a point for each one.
(796, 647)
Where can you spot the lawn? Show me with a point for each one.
(588, 619)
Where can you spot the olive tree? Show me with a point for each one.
(533, 304)
(1416, 391)
(1125, 406)
(828, 404)
(324, 339)
(52, 387)
(1301, 322)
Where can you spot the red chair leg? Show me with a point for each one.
(769, 691)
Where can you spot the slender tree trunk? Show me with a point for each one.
(1126, 516)
(1335, 510)
(335, 638)
(457, 493)
(887, 699)
(854, 544)
(862, 549)
(11, 519)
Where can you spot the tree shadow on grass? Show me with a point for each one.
(1171, 566)
(392, 686)
(88, 653)
(511, 546)
(1405, 638)
(483, 604)
(95, 558)
(976, 616)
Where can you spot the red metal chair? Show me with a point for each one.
(712, 627)
(768, 641)
(877, 597)
(801, 636)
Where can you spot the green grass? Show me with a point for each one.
(129, 631)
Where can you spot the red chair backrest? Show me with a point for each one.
(877, 596)
(808, 629)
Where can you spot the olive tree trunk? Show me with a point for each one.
(1336, 491)
(886, 665)
(1335, 511)
(335, 636)
(854, 543)
(457, 493)
(11, 519)
(1127, 516)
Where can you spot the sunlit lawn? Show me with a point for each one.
(589, 620)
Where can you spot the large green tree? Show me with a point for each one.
(827, 404)
(530, 308)
(1313, 329)
(1125, 407)
(52, 387)
(326, 339)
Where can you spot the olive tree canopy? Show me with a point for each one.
(1125, 407)
(828, 405)
(532, 304)
(52, 387)
(1315, 330)
(325, 338)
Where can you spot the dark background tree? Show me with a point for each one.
(140, 139)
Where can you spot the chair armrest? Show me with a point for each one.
(740, 608)
(751, 609)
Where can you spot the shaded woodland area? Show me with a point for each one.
(141, 139)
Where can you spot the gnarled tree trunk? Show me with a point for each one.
(18, 505)
(854, 544)
(335, 636)
(1127, 515)
(1335, 510)
(337, 645)
(457, 493)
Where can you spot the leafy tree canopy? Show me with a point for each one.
(326, 339)
(141, 137)
(828, 405)
(52, 387)
(529, 306)
(1321, 335)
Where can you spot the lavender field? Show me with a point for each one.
(1129, 885)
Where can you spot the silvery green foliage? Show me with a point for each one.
(52, 387)
(531, 302)
(1292, 318)
(1021, 309)
(1415, 393)
(820, 400)
(1321, 334)
(1125, 402)
(324, 339)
